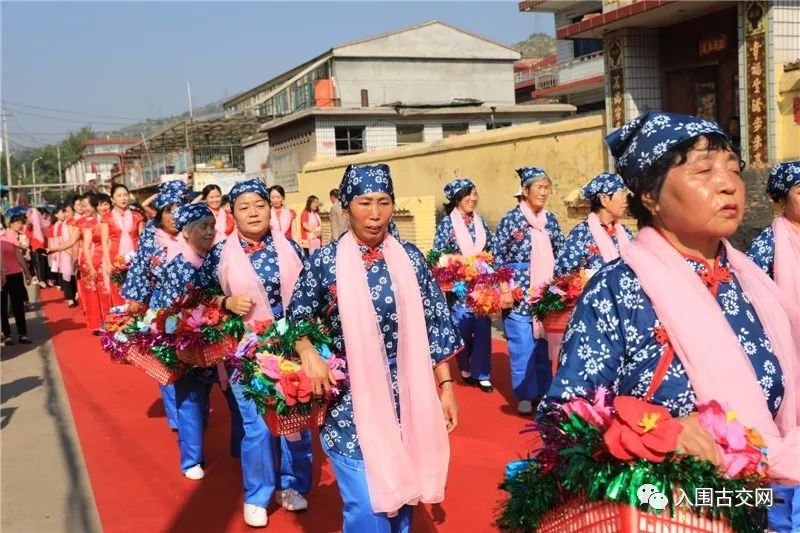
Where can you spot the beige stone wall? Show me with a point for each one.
(571, 151)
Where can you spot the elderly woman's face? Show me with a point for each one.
(200, 235)
(469, 202)
(616, 204)
(251, 214)
(536, 194)
(370, 215)
(791, 209)
(703, 197)
(168, 220)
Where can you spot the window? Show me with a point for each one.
(349, 140)
(451, 130)
(409, 134)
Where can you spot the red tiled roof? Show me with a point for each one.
(600, 20)
(113, 140)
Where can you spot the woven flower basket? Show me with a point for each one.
(556, 322)
(284, 425)
(209, 354)
(154, 368)
(581, 516)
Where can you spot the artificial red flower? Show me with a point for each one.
(213, 315)
(641, 430)
(593, 249)
(518, 235)
(371, 256)
(296, 387)
(660, 334)
(250, 249)
(260, 326)
(155, 259)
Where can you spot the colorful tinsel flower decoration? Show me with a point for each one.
(474, 280)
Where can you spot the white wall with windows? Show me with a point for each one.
(338, 136)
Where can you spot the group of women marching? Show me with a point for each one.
(674, 315)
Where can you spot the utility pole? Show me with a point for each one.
(8, 160)
(33, 171)
(60, 176)
(191, 125)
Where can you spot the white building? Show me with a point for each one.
(418, 84)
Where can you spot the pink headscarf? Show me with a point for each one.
(787, 257)
(602, 239)
(715, 363)
(282, 224)
(238, 277)
(405, 463)
(124, 222)
(466, 244)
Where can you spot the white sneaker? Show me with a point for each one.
(195, 473)
(255, 516)
(525, 407)
(291, 500)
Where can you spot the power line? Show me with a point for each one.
(80, 113)
(84, 122)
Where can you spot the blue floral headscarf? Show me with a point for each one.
(783, 177)
(365, 179)
(186, 214)
(252, 185)
(637, 145)
(604, 183)
(453, 188)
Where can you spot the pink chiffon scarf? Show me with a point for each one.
(715, 363)
(124, 222)
(66, 264)
(315, 222)
(542, 261)
(238, 277)
(280, 223)
(787, 258)
(220, 225)
(466, 243)
(406, 462)
(603, 241)
(171, 243)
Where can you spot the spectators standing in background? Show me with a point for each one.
(340, 223)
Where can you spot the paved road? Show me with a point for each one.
(45, 487)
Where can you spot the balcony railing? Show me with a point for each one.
(577, 69)
(205, 157)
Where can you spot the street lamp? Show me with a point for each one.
(33, 171)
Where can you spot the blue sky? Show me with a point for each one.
(134, 59)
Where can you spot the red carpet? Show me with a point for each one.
(132, 457)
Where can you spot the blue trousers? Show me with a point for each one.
(784, 516)
(260, 450)
(191, 398)
(531, 370)
(476, 357)
(170, 408)
(357, 513)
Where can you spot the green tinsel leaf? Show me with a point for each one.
(166, 355)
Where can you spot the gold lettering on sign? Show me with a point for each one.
(712, 45)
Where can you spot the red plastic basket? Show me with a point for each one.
(284, 425)
(154, 368)
(556, 322)
(582, 516)
(209, 354)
